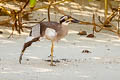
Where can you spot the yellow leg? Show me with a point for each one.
(52, 47)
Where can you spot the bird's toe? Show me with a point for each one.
(52, 64)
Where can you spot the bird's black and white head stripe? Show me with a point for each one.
(64, 19)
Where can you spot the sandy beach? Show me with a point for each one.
(102, 62)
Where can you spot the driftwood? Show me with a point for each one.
(106, 24)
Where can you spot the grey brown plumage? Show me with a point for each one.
(40, 30)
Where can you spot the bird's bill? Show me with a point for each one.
(74, 20)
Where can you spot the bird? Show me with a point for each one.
(53, 31)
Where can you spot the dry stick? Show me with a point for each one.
(21, 8)
(49, 11)
(46, 6)
(12, 31)
(16, 14)
(58, 10)
(88, 23)
(55, 17)
(19, 20)
(20, 16)
(118, 19)
(34, 21)
(19, 23)
(26, 4)
(14, 26)
(94, 26)
(42, 20)
(24, 27)
(109, 19)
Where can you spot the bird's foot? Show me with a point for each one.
(20, 59)
(52, 64)
(50, 55)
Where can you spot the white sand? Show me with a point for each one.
(103, 63)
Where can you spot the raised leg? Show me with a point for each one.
(20, 59)
(27, 44)
(52, 47)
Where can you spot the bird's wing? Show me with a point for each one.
(54, 25)
(33, 36)
(35, 32)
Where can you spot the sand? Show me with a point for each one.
(101, 63)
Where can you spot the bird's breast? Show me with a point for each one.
(62, 32)
(50, 34)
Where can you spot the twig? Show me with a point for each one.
(24, 6)
(109, 19)
(49, 10)
(94, 25)
(58, 10)
(34, 21)
(46, 6)
(118, 19)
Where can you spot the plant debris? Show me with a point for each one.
(90, 36)
(86, 51)
(82, 33)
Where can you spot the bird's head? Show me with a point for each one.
(67, 20)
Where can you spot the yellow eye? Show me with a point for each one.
(70, 19)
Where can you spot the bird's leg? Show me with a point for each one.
(21, 57)
(52, 47)
(27, 44)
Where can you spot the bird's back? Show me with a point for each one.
(54, 25)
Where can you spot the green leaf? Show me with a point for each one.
(32, 3)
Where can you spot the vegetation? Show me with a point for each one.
(19, 14)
